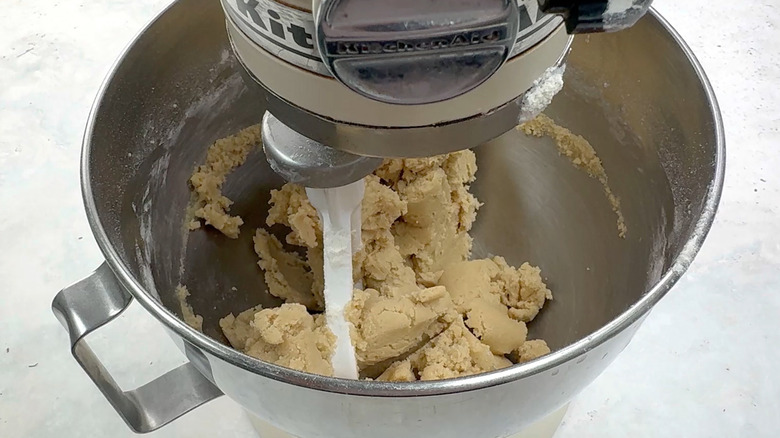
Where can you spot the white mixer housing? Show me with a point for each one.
(278, 45)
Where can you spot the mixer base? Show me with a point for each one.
(544, 428)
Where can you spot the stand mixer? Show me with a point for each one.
(177, 86)
(359, 80)
(350, 81)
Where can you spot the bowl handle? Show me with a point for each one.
(95, 301)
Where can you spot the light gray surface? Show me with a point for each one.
(701, 366)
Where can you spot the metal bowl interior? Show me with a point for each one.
(638, 96)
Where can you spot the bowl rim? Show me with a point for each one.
(410, 389)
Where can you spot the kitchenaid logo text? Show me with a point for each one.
(288, 33)
(281, 23)
(347, 48)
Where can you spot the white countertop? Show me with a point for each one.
(703, 365)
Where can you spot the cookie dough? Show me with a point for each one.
(425, 311)
(582, 155)
(287, 275)
(387, 327)
(187, 314)
(433, 232)
(222, 157)
(286, 335)
(456, 352)
(496, 299)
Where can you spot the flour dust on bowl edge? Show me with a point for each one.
(639, 96)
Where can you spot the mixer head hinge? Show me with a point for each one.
(589, 16)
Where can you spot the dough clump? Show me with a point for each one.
(209, 204)
(386, 327)
(187, 314)
(425, 311)
(453, 353)
(581, 154)
(286, 335)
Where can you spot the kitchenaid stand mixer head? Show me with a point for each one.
(350, 79)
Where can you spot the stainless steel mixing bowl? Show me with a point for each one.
(639, 96)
